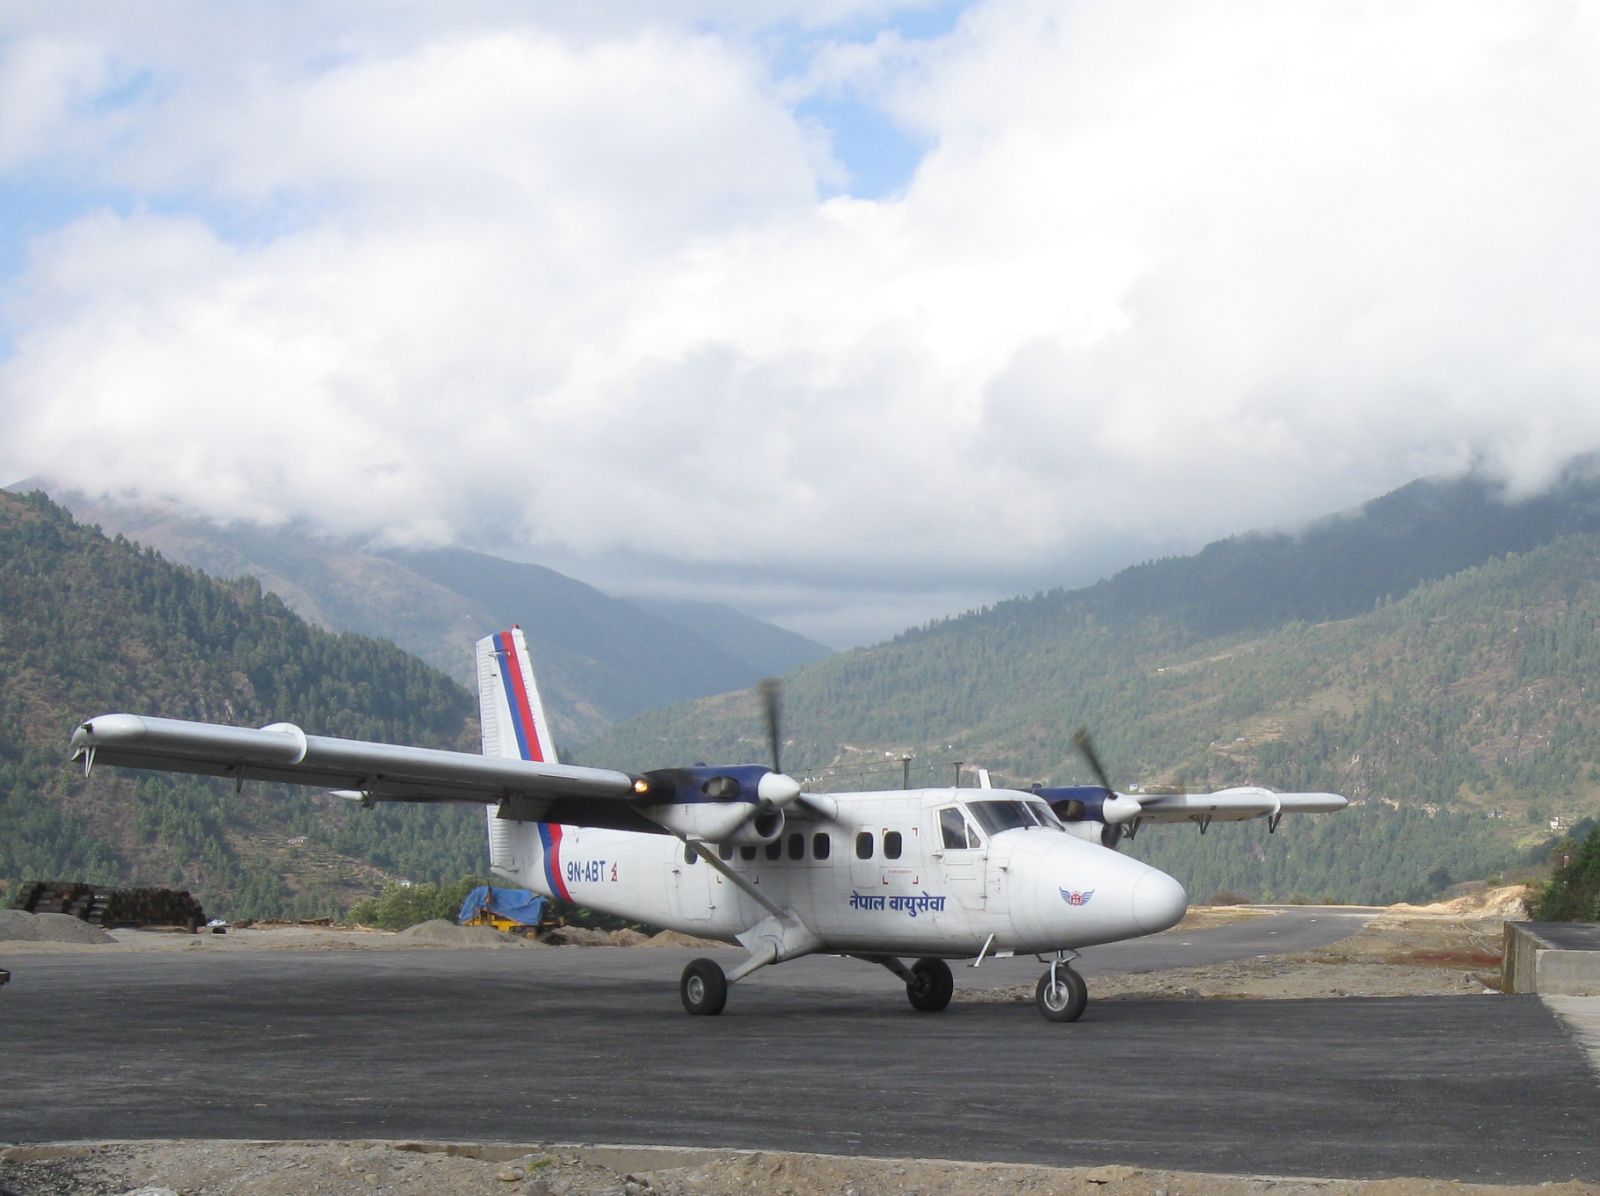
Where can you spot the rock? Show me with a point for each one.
(511, 1175)
(1108, 1175)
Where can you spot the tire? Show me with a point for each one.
(931, 986)
(704, 988)
(1065, 1001)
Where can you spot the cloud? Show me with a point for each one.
(584, 286)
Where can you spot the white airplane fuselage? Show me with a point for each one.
(879, 879)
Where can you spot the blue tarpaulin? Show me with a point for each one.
(517, 904)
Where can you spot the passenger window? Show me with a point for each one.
(821, 845)
(891, 845)
(864, 845)
(747, 853)
(689, 854)
(725, 850)
(797, 846)
(774, 849)
(953, 828)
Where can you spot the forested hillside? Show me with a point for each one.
(1455, 709)
(1459, 717)
(600, 658)
(90, 625)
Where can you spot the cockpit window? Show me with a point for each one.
(1046, 816)
(954, 829)
(997, 816)
(721, 788)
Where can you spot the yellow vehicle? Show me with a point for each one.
(514, 911)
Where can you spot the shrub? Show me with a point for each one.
(1573, 893)
(399, 906)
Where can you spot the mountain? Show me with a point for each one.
(601, 659)
(1430, 656)
(90, 626)
(1343, 564)
(758, 645)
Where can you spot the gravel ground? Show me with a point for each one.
(1449, 949)
(418, 1169)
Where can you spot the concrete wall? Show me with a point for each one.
(1533, 964)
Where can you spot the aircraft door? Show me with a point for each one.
(691, 886)
(962, 858)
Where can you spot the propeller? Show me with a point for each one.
(776, 788)
(1117, 807)
(771, 691)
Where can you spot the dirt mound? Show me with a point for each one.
(442, 933)
(578, 936)
(1508, 901)
(18, 926)
(674, 938)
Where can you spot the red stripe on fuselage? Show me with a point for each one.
(552, 860)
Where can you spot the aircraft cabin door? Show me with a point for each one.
(691, 885)
(962, 857)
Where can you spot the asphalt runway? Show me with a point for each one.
(575, 1044)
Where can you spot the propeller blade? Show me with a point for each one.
(771, 691)
(1080, 740)
(1117, 808)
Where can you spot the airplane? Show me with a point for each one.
(744, 853)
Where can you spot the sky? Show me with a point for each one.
(850, 313)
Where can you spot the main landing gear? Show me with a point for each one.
(703, 987)
(931, 985)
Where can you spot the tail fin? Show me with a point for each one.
(513, 725)
(508, 700)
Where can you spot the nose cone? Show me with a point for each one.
(1158, 902)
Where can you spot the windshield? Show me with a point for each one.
(1046, 816)
(997, 816)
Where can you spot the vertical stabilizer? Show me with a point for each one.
(508, 700)
(513, 725)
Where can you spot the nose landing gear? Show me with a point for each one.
(1061, 994)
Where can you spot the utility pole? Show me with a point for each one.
(905, 771)
(959, 763)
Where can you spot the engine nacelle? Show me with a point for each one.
(758, 831)
(714, 823)
(1090, 812)
(740, 803)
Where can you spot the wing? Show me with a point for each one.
(1232, 805)
(527, 790)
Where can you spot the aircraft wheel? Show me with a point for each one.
(931, 987)
(704, 988)
(1064, 1000)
